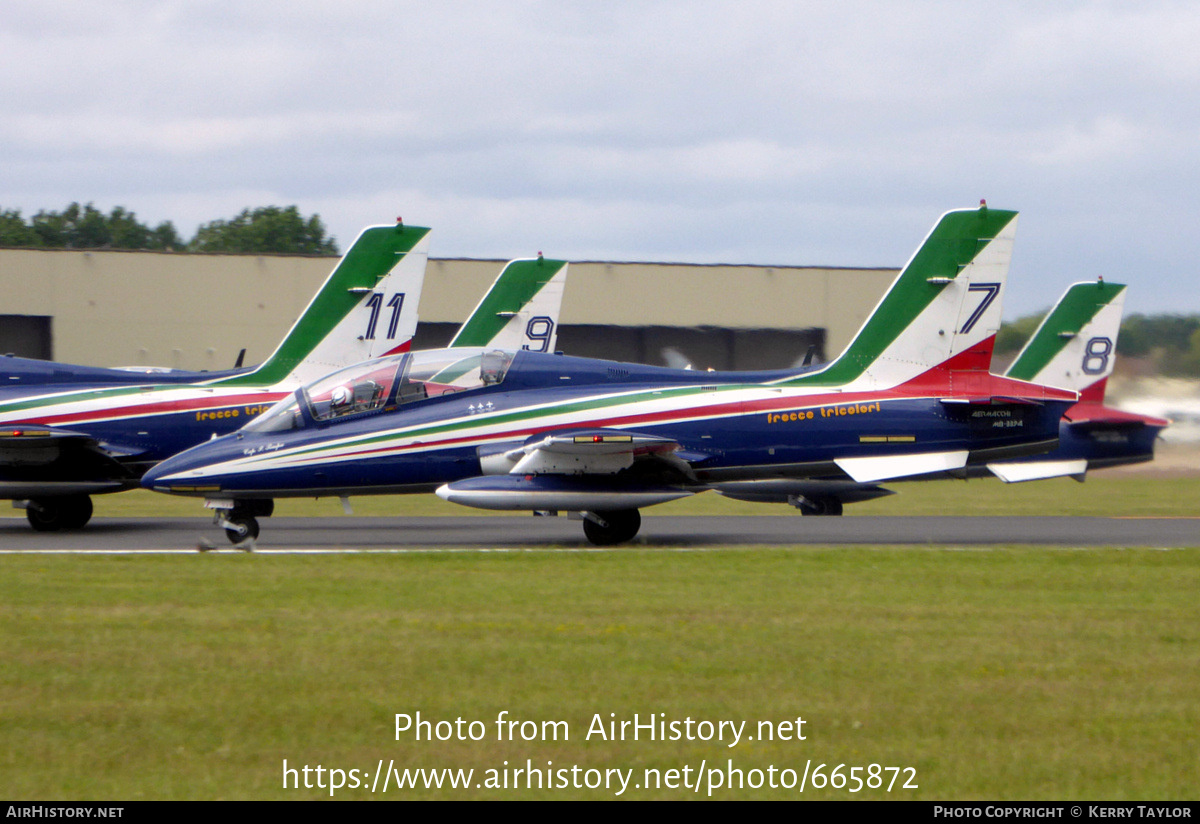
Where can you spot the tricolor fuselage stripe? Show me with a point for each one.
(761, 412)
(150, 407)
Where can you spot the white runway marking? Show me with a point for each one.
(563, 550)
(368, 551)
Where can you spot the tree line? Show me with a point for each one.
(265, 230)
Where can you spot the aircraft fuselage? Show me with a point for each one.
(727, 426)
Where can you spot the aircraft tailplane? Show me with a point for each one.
(1075, 346)
(365, 309)
(943, 309)
(521, 309)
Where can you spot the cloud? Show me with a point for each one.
(807, 132)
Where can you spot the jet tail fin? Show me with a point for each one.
(943, 309)
(366, 308)
(1075, 345)
(521, 309)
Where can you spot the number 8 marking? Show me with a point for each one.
(1095, 355)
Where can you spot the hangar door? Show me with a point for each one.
(27, 336)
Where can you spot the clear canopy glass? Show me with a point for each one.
(386, 383)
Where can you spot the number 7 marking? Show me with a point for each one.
(992, 290)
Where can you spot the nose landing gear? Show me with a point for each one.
(239, 519)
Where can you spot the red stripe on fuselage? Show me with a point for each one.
(735, 408)
(935, 383)
(1085, 412)
(159, 408)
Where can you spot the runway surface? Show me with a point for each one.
(477, 533)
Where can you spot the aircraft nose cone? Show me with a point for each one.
(156, 473)
(166, 476)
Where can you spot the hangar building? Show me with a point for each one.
(197, 311)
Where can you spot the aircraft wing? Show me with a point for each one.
(596, 468)
(39, 460)
(583, 452)
(31, 441)
(1097, 415)
(1016, 472)
(871, 469)
(24, 445)
(578, 470)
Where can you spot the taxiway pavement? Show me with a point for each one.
(481, 532)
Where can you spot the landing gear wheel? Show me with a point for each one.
(44, 516)
(241, 528)
(821, 505)
(77, 511)
(53, 514)
(620, 525)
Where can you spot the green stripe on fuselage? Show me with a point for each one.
(517, 416)
(39, 402)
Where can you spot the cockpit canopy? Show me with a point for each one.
(385, 383)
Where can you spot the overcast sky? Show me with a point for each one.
(747, 132)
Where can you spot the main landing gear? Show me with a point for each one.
(818, 505)
(615, 526)
(58, 513)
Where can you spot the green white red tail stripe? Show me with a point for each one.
(959, 273)
(1075, 346)
(521, 309)
(367, 308)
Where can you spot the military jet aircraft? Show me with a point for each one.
(79, 431)
(1073, 348)
(499, 429)
(61, 443)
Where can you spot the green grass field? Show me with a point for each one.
(1014, 673)
(1003, 673)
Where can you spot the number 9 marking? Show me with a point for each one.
(539, 330)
